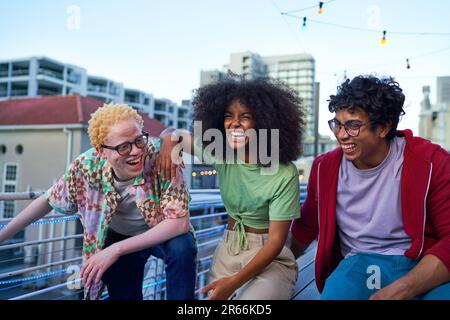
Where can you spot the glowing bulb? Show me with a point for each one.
(383, 40)
(320, 10)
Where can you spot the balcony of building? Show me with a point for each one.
(48, 88)
(19, 89)
(3, 90)
(132, 96)
(50, 70)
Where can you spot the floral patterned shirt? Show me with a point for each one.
(87, 189)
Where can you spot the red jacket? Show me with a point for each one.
(425, 198)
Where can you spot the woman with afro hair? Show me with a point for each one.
(241, 123)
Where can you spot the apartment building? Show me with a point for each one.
(42, 76)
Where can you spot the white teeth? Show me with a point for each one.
(133, 162)
(348, 146)
(237, 133)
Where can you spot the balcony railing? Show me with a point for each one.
(20, 72)
(50, 73)
(19, 92)
(47, 92)
(48, 268)
(95, 88)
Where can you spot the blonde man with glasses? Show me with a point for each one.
(379, 204)
(127, 210)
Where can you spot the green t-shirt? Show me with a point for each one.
(254, 199)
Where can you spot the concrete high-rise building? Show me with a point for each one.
(434, 119)
(42, 76)
(443, 89)
(297, 70)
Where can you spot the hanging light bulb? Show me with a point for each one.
(320, 10)
(383, 40)
(408, 66)
(304, 23)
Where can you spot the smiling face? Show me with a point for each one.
(369, 148)
(131, 165)
(237, 120)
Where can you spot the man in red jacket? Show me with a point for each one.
(379, 204)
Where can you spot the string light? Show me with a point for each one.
(307, 8)
(54, 220)
(304, 23)
(383, 40)
(204, 173)
(336, 25)
(320, 10)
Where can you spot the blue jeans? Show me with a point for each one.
(353, 277)
(124, 279)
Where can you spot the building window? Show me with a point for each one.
(3, 149)
(9, 185)
(19, 149)
(10, 172)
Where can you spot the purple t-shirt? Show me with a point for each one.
(368, 208)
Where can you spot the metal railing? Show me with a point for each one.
(50, 73)
(45, 266)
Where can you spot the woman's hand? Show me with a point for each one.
(95, 266)
(220, 289)
(169, 157)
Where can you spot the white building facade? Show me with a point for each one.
(42, 76)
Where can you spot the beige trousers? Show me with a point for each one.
(275, 282)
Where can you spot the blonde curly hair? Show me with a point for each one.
(105, 117)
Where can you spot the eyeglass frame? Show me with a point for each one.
(346, 128)
(129, 143)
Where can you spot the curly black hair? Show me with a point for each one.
(381, 98)
(273, 105)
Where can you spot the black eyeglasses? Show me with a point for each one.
(125, 148)
(352, 127)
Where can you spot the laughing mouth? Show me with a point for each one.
(348, 147)
(134, 162)
(237, 135)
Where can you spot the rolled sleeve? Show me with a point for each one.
(62, 195)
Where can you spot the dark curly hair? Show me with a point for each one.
(273, 104)
(381, 98)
